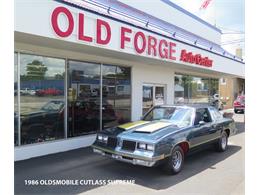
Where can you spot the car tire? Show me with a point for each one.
(222, 143)
(175, 162)
(235, 110)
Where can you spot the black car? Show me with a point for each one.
(47, 123)
(165, 135)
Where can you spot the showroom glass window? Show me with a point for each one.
(199, 90)
(83, 98)
(15, 99)
(182, 89)
(116, 95)
(191, 89)
(41, 98)
(123, 94)
(213, 87)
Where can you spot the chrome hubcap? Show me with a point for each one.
(177, 160)
(223, 142)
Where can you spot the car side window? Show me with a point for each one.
(202, 114)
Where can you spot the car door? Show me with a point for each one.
(201, 132)
(217, 125)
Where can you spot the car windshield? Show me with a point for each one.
(177, 115)
(53, 106)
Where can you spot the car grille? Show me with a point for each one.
(112, 142)
(128, 145)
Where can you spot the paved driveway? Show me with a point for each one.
(206, 172)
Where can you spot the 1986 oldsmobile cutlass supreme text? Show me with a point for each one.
(165, 135)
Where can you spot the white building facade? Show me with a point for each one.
(81, 67)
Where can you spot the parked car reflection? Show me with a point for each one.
(239, 104)
(48, 122)
(49, 92)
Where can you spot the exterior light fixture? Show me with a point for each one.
(147, 23)
(174, 34)
(211, 47)
(195, 42)
(108, 10)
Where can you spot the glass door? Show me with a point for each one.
(147, 97)
(159, 95)
(83, 98)
(153, 95)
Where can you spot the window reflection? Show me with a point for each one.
(41, 87)
(199, 90)
(42, 98)
(189, 89)
(15, 99)
(83, 98)
(108, 96)
(116, 95)
(123, 94)
(182, 89)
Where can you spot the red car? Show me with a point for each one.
(239, 104)
(49, 92)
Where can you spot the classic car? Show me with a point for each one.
(48, 122)
(165, 135)
(49, 92)
(239, 104)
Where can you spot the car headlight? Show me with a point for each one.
(150, 147)
(144, 146)
(105, 138)
(102, 138)
(99, 137)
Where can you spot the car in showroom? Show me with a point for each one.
(239, 104)
(165, 135)
(47, 122)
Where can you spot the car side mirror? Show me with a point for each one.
(202, 123)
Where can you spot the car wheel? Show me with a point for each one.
(175, 162)
(222, 143)
(235, 110)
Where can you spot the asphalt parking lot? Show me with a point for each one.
(206, 172)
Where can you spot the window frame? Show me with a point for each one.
(66, 80)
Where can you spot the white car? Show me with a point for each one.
(27, 91)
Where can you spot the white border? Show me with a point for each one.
(7, 97)
(252, 129)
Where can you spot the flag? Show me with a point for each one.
(205, 4)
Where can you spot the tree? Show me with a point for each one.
(59, 76)
(36, 70)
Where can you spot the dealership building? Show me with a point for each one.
(82, 66)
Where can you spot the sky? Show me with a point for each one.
(228, 15)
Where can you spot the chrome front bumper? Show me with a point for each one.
(127, 157)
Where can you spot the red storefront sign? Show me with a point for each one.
(189, 57)
(142, 43)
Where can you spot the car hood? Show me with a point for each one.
(125, 127)
(36, 113)
(151, 131)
